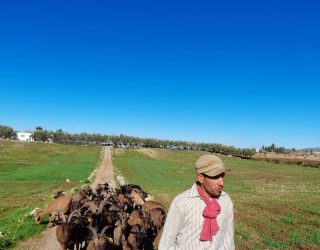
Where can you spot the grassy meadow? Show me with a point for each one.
(29, 174)
(276, 206)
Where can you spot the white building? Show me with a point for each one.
(24, 136)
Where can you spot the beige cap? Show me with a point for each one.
(210, 165)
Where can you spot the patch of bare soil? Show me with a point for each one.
(291, 156)
(304, 161)
(47, 240)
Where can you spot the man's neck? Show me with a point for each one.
(208, 196)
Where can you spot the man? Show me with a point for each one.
(201, 217)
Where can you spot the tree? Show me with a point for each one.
(58, 136)
(6, 132)
(41, 135)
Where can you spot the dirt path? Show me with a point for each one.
(105, 172)
(47, 240)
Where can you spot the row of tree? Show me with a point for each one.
(59, 136)
(274, 149)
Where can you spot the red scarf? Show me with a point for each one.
(210, 226)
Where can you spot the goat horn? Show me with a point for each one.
(101, 206)
(63, 216)
(118, 208)
(71, 215)
(103, 203)
(93, 231)
(104, 229)
(85, 212)
(84, 205)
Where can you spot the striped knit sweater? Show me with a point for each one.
(184, 224)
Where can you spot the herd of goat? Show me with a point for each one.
(105, 218)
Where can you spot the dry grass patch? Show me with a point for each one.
(152, 153)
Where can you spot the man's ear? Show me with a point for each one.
(200, 178)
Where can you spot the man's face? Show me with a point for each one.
(212, 186)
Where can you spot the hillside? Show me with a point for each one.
(316, 149)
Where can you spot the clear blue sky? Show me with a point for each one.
(242, 73)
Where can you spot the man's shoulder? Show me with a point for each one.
(225, 198)
(224, 195)
(185, 196)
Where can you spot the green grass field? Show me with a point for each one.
(29, 173)
(276, 206)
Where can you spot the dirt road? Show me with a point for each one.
(105, 171)
(47, 240)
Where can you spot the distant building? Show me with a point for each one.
(49, 140)
(24, 136)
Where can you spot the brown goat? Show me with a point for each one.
(157, 217)
(150, 218)
(148, 205)
(119, 229)
(136, 238)
(128, 220)
(61, 204)
(100, 241)
(138, 220)
(126, 189)
(121, 199)
(79, 199)
(70, 233)
(157, 239)
(137, 217)
(137, 196)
